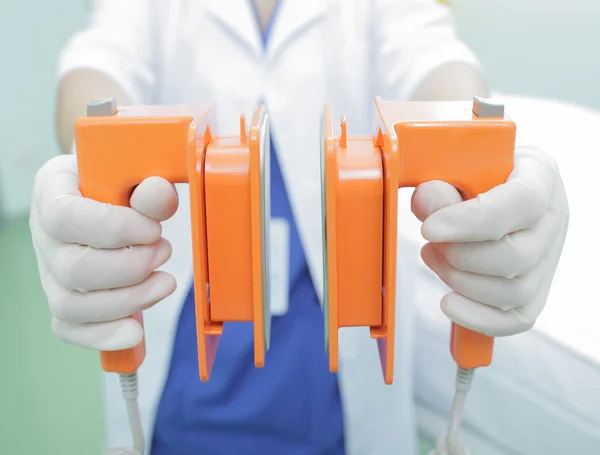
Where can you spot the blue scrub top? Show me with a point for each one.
(291, 406)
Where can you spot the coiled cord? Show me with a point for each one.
(129, 388)
(449, 444)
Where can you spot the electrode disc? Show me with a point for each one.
(265, 209)
(324, 223)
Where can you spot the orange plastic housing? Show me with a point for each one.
(117, 151)
(415, 143)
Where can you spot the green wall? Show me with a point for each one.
(545, 48)
(50, 392)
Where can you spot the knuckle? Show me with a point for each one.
(72, 271)
(532, 198)
(52, 220)
(520, 261)
(50, 213)
(506, 304)
(54, 216)
(456, 255)
(540, 155)
(142, 258)
(66, 273)
(37, 183)
(526, 322)
(115, 227)
(520, 257)
(42, 172)
(487, 222)
(61, 305)
(58, 328)
(566, 213)
(58, 306)
(548, 160)
(525, 290)
(36, 236)
(168, 247)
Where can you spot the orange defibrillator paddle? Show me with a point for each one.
(468, 145)
(118, 147)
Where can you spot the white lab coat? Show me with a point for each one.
(337, 51)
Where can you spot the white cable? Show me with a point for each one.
(129, 388)
(449, 444)
(121, 451)
(463, 384)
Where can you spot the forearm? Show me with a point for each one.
(74, 92)
(451, 82)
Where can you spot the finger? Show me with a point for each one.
(155, 198)
(85, 269)
(68, 217)
(107, 305)
(432, 196)
(495, 291)
(517, 204)
(490, 321)
(512, 256)
(103, 336)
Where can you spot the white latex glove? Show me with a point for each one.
(499, 251)
(97, 261)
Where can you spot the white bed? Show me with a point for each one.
(541, 396)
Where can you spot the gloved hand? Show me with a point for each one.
(96, 261)
(499, 251)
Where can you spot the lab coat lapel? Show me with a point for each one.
(293, 17)
(238, 19)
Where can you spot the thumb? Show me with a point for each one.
(432, 196)
(155, 198)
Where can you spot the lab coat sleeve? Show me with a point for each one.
(412, 38)
(117, 41)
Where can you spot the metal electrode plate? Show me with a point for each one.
(265, 206)
(324, 235)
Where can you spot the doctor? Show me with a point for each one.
(98, 263)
